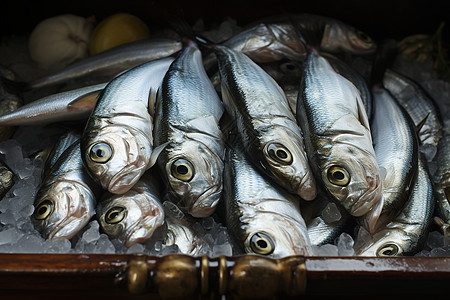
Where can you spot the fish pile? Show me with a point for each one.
(296, 133)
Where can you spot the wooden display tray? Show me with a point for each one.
(138, 276)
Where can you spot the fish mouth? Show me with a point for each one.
(206, 203)
(124, 180)
(306, 187)
(368, 199)
(68, 227)
(145, 230)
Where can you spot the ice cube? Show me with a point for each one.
(325, 250)
(345, 245)
(92, 233)
(331, 213)
(172, 210)
(136, 248)
(222, 249)
(10, 236)
(435, 239)
(208, 223)
(104, 245)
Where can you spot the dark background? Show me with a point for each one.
(380, 19)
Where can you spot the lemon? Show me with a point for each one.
(116, 30)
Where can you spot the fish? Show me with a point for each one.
(284, 36)
(422, 108)
(6, 179)
(441, 180)
(10, 101)
(263, 218)
(406, 234)
(187, 115)
(180, 231)
(133, 216)
(320, 230)
(108, 64)
(338, 140)
(266, 125)
(396, 148)
(117, 140)
(76, 104)
(65, 201)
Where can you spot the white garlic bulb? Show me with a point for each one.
(60, 40)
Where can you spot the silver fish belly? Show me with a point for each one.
(263, 218)
(396, 147)
(108, 64)
(406, 234)
(117, 142)
(65, 202)
(133, 216)
(337, 137)
(187, 118)
(265, 122)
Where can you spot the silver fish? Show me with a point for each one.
(70, 105)
(441, 179)
(133, 216)
(117, 142)
(262, 217)
(109, 63)
(187, 120)
(337, 135)
(406, 234)
(396, 147)
(265, 122)
(65, 202)
(419, 104)
(277, 37)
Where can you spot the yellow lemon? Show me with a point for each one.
(116, 30)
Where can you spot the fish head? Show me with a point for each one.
(181, 233)
(194, 176)
(351, 176)
(131, 217)
(62, 209)
(286, 159)
(385, 243)
(340, 37)
(116, 156)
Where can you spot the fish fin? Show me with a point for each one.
(370, 220)
(155, 154)
(85, 102)
(152, 98)
(362, 113)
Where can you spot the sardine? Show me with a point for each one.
(338, 141)
(278, 37)
(110, 63)
(65, 202)
(133, 216)
(262, 217)
(187, 117)
(6, 179)
(117, 142)
(406, 234)
(265, 122)
(65, 106)
(396, 147)
(418, 103)
(441, 179)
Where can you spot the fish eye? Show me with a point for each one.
(363, 36)
(115, 215)
(388, 250)
(279, 153)
(182, 169)
(289, 67)
(100, 153)
(338, 175)
(261, 243)
(44, 210)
